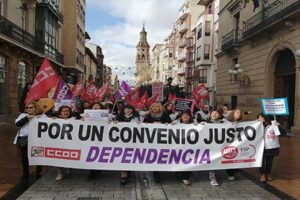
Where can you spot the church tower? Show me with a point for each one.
(142, 60)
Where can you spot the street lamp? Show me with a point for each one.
(235, 73)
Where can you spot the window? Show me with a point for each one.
(207, 28)
(203, 76)
(22, 78)
(50, 35)
(199, 33)
(198, 53)
(206, 51)
(2, 84)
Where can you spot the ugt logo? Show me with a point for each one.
(229, 152)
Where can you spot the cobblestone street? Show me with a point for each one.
(141, 186)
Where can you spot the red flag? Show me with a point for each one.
(144, 98)
(172, 97)
(90, 92)
(77, 89)
(151, 100)
(101, 92)
(111, 98)
(200, 93)
(45, 79)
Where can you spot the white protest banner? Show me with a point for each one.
(274, 106)
(95, 115)
(144, 147)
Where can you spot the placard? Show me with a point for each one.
(95, 115)
(274, 106)
(157, 88)
(184, 104)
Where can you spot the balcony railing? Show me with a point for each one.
(231, 39)
(180, 71)
(182, 43)
(269, 15)
(182, 28)
(16, 33)
(181, 56)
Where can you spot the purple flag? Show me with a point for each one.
(62, 91)
(125, 87)
(125, 90)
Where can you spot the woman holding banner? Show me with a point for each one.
(215, 117)
(32, 110)
(157, 115)
(271, 147)
(235, 116)
(64, 112)
(186, 118)
(127, 114)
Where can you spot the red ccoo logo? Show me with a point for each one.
(229, 152)
(66, 154)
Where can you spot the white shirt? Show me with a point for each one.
(271, 139)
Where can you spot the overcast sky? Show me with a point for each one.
(115, 26)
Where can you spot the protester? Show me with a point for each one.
(202, 114)
(23, 97)
(157, 115)
(234, 117)
(127, 114)
(186, 118)
(214, 118)
(32, 110)
(226, 111)
(169, 110)
(93, 173)
(64, 112)
(271, 147)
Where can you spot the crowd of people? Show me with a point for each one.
(157, 113)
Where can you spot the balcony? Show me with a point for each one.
(51, 6)
(180, 71)
(17, 34)
(230, 40)
(204, 2)
(184, 13)
(182, 28)
(270, 15)
(181, 56)
(182, 43)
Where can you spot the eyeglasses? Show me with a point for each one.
(29, 107)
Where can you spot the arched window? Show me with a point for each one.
(143, 57)
(2, 84)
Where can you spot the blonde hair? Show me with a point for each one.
(38, 109)
(162, 109)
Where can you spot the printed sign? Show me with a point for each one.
(184, 104)
(95, 115)
(140, 147)
(274, 106)
(157, 88)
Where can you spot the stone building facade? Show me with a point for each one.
(259, 56)
(29, 31)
